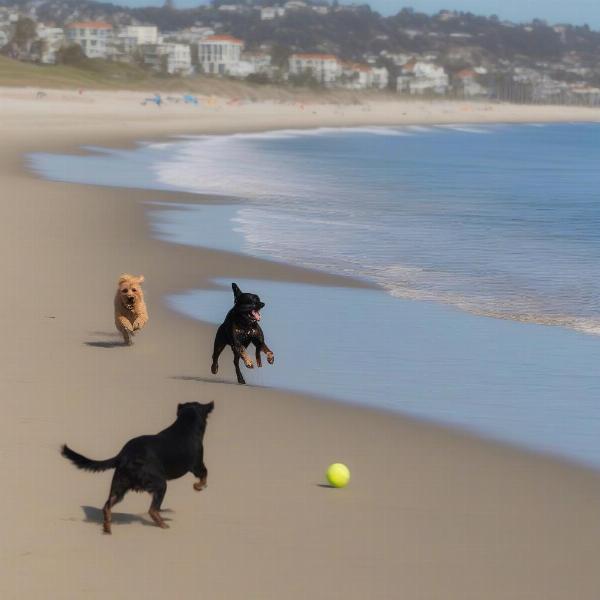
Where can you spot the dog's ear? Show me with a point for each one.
(209, 407)
(140, 279)
(123, 277)
(236, 291)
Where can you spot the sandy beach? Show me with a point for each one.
(430, 513)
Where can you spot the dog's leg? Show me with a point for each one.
(258, 359)
(236, 363)
(259, 341)
(157, 497)
(127, 337)
(116, 495)
(240, 350)
(200, 471)
(269, 353)
(200, 484)
(262, 347)
(126, 329)
(214, 369)
(140, 321)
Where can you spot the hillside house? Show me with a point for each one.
(53, 39)
(94, 37)
(418, 78)
(325, 68)
(220, 54)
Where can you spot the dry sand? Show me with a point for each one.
(430, 514)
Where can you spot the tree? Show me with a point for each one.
(72, 55)
(260, 78)
(304, 79)
(280, 55)
(24, 35)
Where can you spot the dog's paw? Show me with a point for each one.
(214, 369)
(200, 485)
(270, 358)
(249, 364)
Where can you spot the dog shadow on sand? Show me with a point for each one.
(211, 379)
(114, 340)
(94, 515)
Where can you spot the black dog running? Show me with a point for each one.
(239, 329)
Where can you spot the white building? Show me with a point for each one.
(53, 39)
(179, 59)
(325, 68)
(422, 78)
(175, 59)
(92, 36)
(468, 85)
(220, 54)
(268, 13)
(3, 38)
(250, 63)
(154, 56)
(380, 77)
(359, 76)
(295, 5)
(356, 76)
(122, 48)
(231, 8)
(143, 34)
(191, 35)
(398, 59)
(260, 61)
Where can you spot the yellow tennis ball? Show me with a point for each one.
(338, 475)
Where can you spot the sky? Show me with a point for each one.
(576, 12)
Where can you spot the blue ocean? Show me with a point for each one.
(481, 243)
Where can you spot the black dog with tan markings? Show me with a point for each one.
(146, 463)
(239, 329)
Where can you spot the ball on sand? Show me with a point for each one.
(338, 475)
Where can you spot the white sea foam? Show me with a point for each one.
(326, 210)
(419, 129)
(466, 129)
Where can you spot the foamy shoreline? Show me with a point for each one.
(429, 514)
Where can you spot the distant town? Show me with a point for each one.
(298, 43)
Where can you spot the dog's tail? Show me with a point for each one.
(87, 464)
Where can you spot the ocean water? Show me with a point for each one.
(497, 220)
(483, 241)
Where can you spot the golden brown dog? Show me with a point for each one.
(130, 309)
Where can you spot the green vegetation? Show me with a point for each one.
(92, 73)
(105, 75)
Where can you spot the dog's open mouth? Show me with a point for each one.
(255, 315)
(129, 305)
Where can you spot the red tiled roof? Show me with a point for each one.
(357, 67)
(222, 38)
(409, 67)
(466, 74)
(316, 56)
(89, 25)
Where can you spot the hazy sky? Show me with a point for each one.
(554, 11)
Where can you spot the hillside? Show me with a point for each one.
(349, 32)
